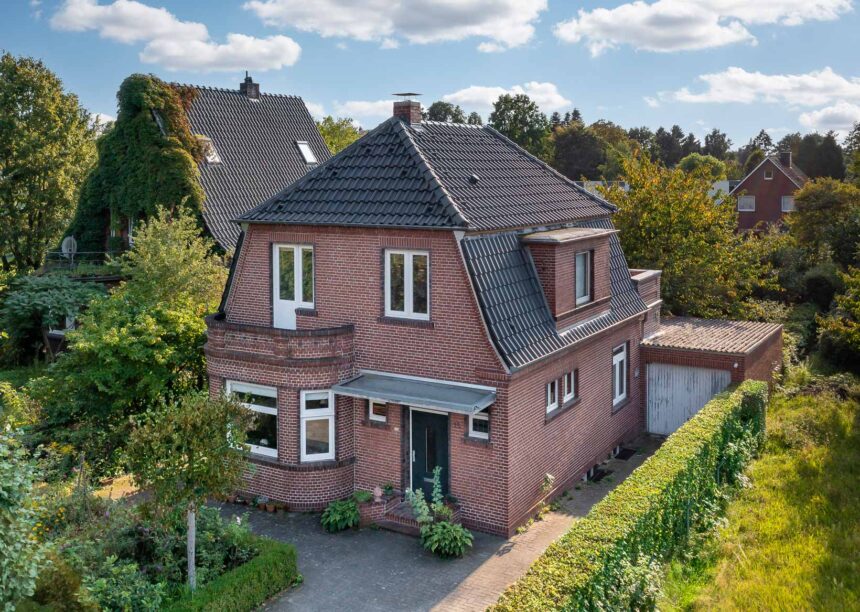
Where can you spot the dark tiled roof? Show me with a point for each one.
(711, 335)
(797, 175)
(256, 141)
(514, 305)
(432, 174)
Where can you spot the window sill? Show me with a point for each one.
(565, 408)
(404, 322)
(620, 405)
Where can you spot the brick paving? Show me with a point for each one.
(374, 569)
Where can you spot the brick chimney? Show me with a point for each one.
(785, 158)
(408, 111)
(249, 87)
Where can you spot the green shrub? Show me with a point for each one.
(840, 329)
(59, 587)
(340, 515)
(648, 517)
(362, 497)
(118, 585)
(821, 284)
(446, 539)
(249, 585)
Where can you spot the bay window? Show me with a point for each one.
(407, 284)
(317, 425)
(262, 437)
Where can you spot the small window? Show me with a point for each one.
(768, 175)
(307, 153)
(746, 203)
(479, 425)
(377, 411)
(619, 374)
(207, 147)
(317, 425)
(583, 277)
(293, 281)
(551, 396)
(570, 385)
(407, 284)
(262, 437)
(787, 203)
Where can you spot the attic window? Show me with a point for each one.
(159, 121)
(210, 154)
(305, 150)
(768, 175)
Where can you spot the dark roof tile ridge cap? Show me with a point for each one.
(300, 182)
(445, 198)
(232, 91)
(609, 206)
(452, 124)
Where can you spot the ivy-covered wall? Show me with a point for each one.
(140, 168)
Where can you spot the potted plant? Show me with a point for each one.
(271, 506)
(261, 502)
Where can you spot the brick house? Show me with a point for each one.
(433, 295)
(766, 194)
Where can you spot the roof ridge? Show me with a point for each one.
(234, 91)
(453, 211)
(601, 201)
(453, 124)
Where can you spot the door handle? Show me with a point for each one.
(413, 456)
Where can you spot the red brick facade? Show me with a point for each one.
(768, 195)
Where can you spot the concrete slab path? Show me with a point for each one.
(380, 570)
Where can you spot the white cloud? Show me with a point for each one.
(839, 117)
(171, 42)
(316, 110)
(365, 112)
(502, 23)
(738, 85)
(651, 101)
(481, 98)
(676, 25)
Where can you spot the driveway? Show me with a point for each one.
(374, 569)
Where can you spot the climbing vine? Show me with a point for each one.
(147, 159)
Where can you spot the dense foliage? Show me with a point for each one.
(146, 160)
(338, 133)
(138, 347)
(46, 149)
(648, 516)
(668, 221)
(339, 515)
(35, 304)
(446, 539)
(827, 220)
(520, 119)
(840, 329)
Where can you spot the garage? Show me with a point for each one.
(688, 361)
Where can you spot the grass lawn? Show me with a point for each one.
(792, 541)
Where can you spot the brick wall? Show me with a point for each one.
(768, 193)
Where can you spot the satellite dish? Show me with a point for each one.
(69, 247)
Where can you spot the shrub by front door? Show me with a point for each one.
(429, 440)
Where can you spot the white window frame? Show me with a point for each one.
(569, 386)
(305, 416)
(767, 172)
(585, 299)
(375, 417)
(619, 373)
(408, 310)
(748, 199)
(280, 306)
(551, 396)
(306, 152)
(482, 415)
(782, 201)
(243, 387)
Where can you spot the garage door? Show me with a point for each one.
(676, 393)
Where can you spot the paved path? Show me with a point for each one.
(380, 570)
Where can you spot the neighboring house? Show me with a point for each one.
(766, 194)
(434, 295)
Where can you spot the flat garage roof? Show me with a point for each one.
(711, 335)
(421, 393)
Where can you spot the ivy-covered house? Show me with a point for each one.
(216, 152)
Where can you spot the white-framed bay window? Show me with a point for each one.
(317, 425)
(292, 282)
(551, 396)
(619, 374)
(262, 437)
(479, 425)
(407, 284)
(583, 277)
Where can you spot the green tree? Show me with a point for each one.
(762, 141)
(840, 329)
(520, 119)
(668, 147)
(474, 119)
(825, 221)
(46, 149)
(143, 343)
(577, 152)
(338, 133)
(188, 451)
(851, 147)
(445, 111)
(790, 142)
(821, 156)
(644, 138)
(147, 160)
(717, 144)
(711, 167)
(753, 159)
(667, 221)
(690, 145)
(21, 554)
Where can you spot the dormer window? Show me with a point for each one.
(210, 154)
(583, 277)
(307, 153)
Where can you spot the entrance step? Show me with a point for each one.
(410, 530)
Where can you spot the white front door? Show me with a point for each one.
(292, 282)
(676, 393)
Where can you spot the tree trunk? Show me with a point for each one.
(191, 547)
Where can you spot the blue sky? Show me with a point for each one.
(783, 65)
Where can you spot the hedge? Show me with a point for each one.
(648, 515)
(249, 585)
